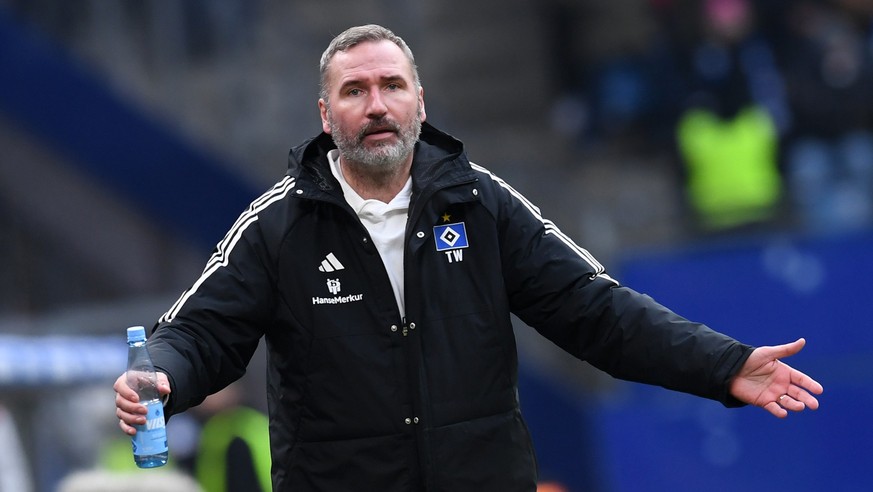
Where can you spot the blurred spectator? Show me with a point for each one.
(14, 470)
(829, 153)
(74, 442)
(234, 450)
(141, 481)
(614, 75)
(729, 131)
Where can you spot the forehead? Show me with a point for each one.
(369, 59)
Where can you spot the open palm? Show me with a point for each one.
(767, 382)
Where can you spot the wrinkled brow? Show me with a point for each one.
(386, 79)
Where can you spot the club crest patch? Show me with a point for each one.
(450, 236)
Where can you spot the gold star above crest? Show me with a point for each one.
(446, 217)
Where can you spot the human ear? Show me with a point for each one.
(322, 109)
(421, 111)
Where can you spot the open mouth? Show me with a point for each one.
(379, 137)
(378, 132)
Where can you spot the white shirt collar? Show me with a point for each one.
(368, 206)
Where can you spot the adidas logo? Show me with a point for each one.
(330, 264)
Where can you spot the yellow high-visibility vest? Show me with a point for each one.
(733, 174)
(245, 423)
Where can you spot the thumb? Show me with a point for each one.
(788, 349)
(163, 384)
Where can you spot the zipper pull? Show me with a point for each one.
(405, 327)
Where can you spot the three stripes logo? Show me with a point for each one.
(330, 264)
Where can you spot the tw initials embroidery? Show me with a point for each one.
(451, 239)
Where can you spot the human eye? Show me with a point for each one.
(354, 92)
(393, 84)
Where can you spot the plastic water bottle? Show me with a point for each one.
(150, 441)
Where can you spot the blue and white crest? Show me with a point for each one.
(450, 236)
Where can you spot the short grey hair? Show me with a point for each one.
(354, 36)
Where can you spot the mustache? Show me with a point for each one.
(380, 125)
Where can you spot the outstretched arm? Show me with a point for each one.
(767, 382)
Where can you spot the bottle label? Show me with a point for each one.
(151, 437)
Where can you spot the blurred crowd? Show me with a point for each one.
(766, 106)
(222, 445)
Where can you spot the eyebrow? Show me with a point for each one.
(383, 80)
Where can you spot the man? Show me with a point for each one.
(382, 271)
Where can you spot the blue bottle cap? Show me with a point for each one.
(136, 334)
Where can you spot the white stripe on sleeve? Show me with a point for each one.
(551, 228)
(222, 252)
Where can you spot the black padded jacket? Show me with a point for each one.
(361, 399)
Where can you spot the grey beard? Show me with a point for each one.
(384, 158)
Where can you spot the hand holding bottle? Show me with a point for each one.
(128, 409)
(139, 400)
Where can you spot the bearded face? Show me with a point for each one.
(382, 155)
(373, 106)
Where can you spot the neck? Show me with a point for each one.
(382, 185)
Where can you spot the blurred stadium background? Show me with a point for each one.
(716, 154)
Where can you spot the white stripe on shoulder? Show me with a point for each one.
(220, 257)
(277, 192)
(551, 228)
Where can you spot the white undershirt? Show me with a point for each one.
(386, 223)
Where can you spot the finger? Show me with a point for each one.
(788, 349)
(129, 414)
(163, 384)
(126, 428)
(776, 410)
(803, 381)
(788, 402)
(133, 413)
(128, 406)
(128, 421)
(122, 389)
(803, 396)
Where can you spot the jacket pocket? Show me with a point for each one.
(487, 454)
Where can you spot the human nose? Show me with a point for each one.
(376, 107)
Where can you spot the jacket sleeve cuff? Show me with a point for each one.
(734, 361)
